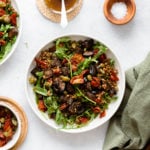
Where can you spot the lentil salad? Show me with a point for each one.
(74, 81)
(8, 27)
(8, 125)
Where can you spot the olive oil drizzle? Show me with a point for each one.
(56, 4)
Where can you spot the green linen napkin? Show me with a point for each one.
(129, 128)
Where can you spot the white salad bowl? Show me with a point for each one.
(97, 121)
(19, 25)
(11, 143)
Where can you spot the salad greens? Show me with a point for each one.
(71, 87)
(86, 63)
(61, 50)
(8, 28)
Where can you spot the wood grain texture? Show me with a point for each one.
(55, 17)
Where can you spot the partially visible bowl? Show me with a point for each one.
(127, 16)
(54, 14)
(95, 122)
(11, 50)
(10, 125)
(71, 4)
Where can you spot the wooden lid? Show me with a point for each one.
(54, 16)
(23, 118)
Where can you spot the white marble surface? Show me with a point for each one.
(129, 42)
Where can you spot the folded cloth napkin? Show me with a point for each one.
(129, 128)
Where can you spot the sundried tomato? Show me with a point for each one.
(96, 109)
(41, 105)
(2, 12)
(103, 114)
(63, 106)
(82, 120)
(2, 42)
(114, 76)
(1, 34)
(102, 57)
(13, 19)
(41, 63)
(95, 82)
(79, 79)
(3, 1)
(75, 60)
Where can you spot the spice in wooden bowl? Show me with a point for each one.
(119, 11)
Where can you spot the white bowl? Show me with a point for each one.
(19, 23)
(97, 121)
(17, 133)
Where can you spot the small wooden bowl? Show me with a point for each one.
(131, 9)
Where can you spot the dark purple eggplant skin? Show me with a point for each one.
(12, 32)
(58, 85)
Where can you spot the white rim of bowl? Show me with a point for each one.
(78, 130)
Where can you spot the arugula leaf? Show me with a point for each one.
(40, 90)
(109, 99)
(60, 118)
(51, 104)
(112, 62)
(4, 28)
(39, 74)
(61, 49)
(102, 49)
(85, 64)
(4, 50)
(81, 94)
(90, 114)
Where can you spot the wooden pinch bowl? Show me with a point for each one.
(131, 9)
